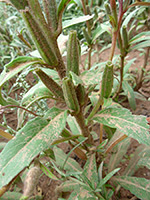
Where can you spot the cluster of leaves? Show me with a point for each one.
(85, 105)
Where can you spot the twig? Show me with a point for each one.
(16, 106)
(101, 133)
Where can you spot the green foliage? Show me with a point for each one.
(89, 96)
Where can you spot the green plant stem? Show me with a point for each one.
(101, 134)
(85, 130)
(89, 57)
(114, 39)
(121, 76)
(95, 109)
(85, 12)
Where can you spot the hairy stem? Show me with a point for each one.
(85, 130)
(89, 57)
(121, 76)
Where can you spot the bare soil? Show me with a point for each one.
(47, 186)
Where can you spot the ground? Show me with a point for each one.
(47, 186)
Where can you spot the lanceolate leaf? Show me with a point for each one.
(132, 165)
(91, 77)
(38, 91)
(67, 186)
(90, 170)
(140, 35)
(131, 125)
(81, 194)
(106, 178)
(130, 94)
(77, 20)
(138, 186)
(144, 162)
(36, 136)
(142, 45)
(62, 6)
(121, 151)
(71, 165)
(15, 66)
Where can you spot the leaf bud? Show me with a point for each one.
(73, 53)
(107, 80)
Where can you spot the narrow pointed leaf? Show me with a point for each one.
(38, 91)
(71, 165)
(81, 194)
(140, 35)
(142, 45)
(52, 113)
(120, 152)
(36, 136)
(132, 165)
(16, 66)
(144, 162)
(5, 134)
(67, 186)
(91, 77)
(131, 125)
(90, 170)
(62, 6)
(77, 20)
(107, 177)
(75, 129)
(140, 187)
(130, 94)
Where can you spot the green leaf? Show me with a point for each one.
(71, 165)
(128, 65)
(36, 136)
(16, 66)
(120, 150)
(80, 194)
(138, 36)
(140, 187)
(52, 73)
(141, 39)
(77, 20)
(100, 30)
(61, 6)
(131, 125)
(106, 178)
(132, 166)
(91, 77)
(37, 92)
(75, 129)
(129, 17)
(67, 186)
(52, 113)
(90, 170)
(141, 45)
(129, 92)
(47, 172)
(75, 78)
(144, 162)
(78, 2)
